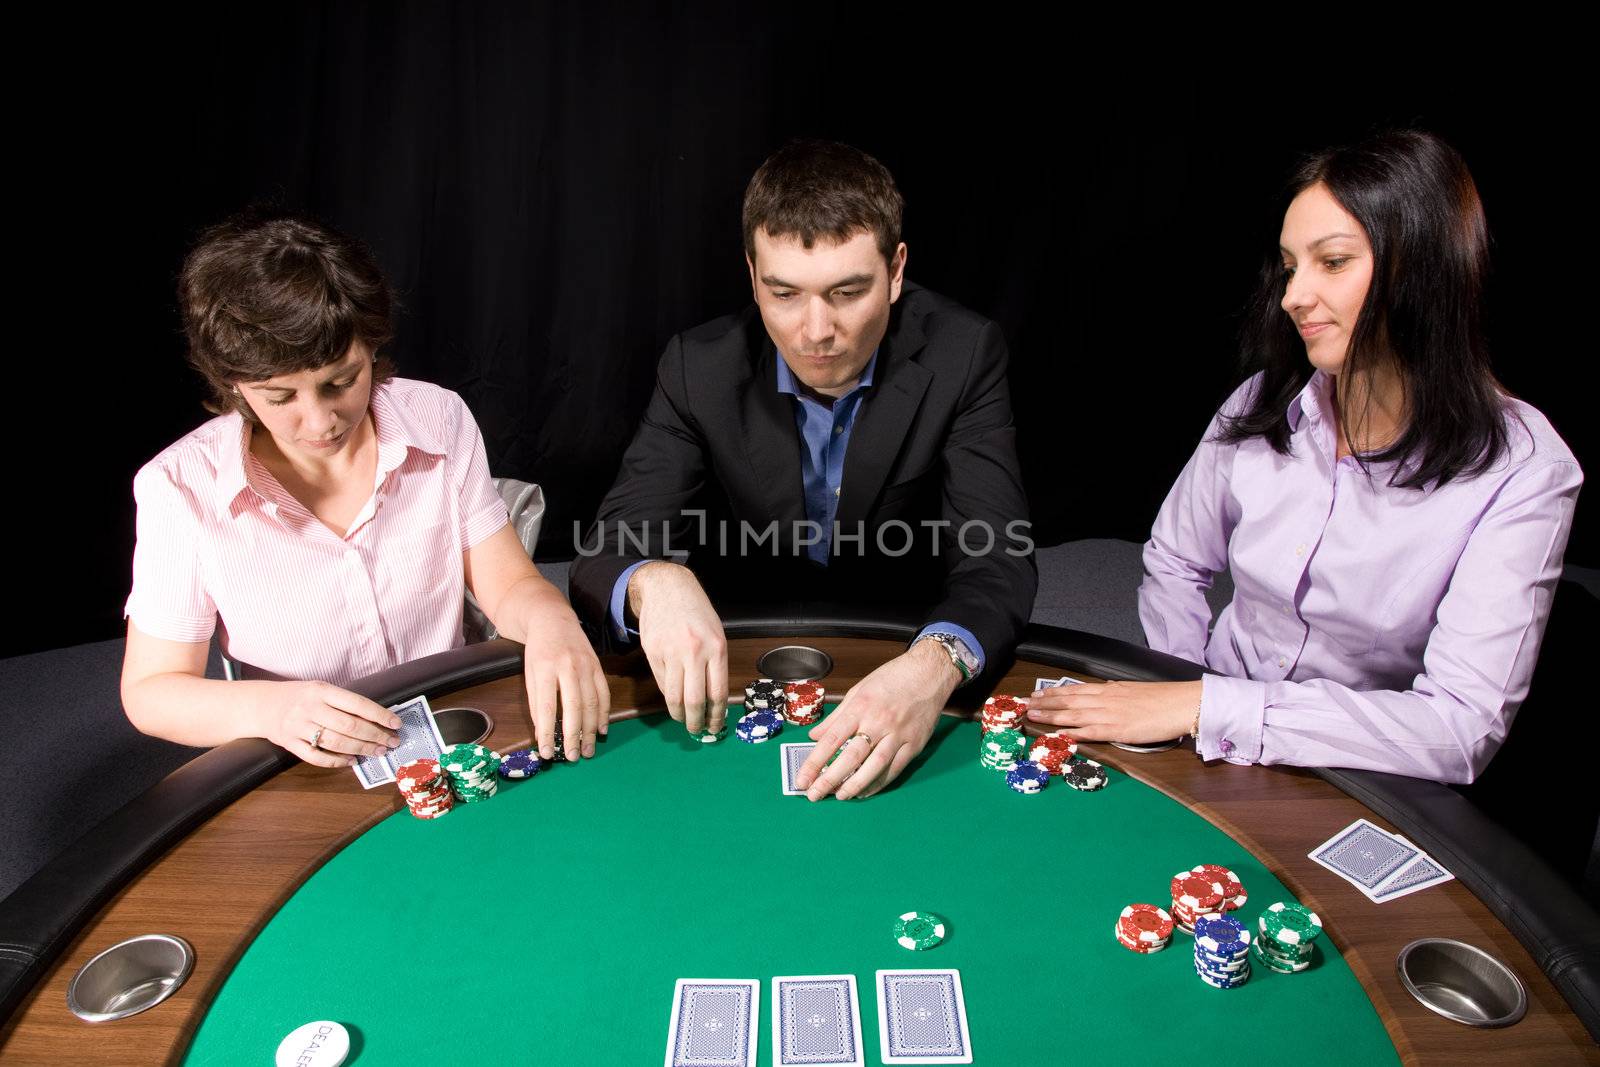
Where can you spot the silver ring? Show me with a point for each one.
(315, 737)
(853, 736)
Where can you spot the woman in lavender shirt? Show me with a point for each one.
(1394, 521)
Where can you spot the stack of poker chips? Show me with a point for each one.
(1195, 895)
(764, 694)
(472, 772)
(1144, 928)
(1288, 938)
(1002, 713)
(802, 703)
(1000, 750)
(1053, 751)
(425, 787)
(1027, 777)
(1084, 775)
(523, 763)
(757, 726)
(1233, 894)
(1221, 951)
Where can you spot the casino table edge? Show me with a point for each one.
(78, 890)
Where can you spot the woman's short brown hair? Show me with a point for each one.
(270, 294)
(812, 189)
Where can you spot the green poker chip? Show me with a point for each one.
(711, 737)
(1291, 924)
(918, 931)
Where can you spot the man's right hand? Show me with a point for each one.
(682, 638)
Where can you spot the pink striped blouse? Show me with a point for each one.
(219, 536)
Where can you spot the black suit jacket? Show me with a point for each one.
(933, 440)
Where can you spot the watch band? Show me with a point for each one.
(960, 655)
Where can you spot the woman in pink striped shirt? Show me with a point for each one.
(1394, 522)
(331, 517)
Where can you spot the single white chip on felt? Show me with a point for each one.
(319, 1044)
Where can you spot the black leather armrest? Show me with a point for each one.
(40, 918)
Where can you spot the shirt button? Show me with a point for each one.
(836, 490)
(1282, 662)
(838, 430)
(1286, 609)
(1226, 746)
(1300, 549)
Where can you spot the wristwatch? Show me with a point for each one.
(960, 655)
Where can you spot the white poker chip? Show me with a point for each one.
(319, 1044)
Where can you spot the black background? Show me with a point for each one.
(555, 192)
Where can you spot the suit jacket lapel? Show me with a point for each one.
(881, 424)
(771, 439)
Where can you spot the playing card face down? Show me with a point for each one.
(713, 1023)
(1364, 854)
(816, 1021)
(922, 1017)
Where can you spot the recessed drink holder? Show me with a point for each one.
(463, 726)
(129, 977)
(1462, 983)
(795, 663)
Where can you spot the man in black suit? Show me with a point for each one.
(848, 438)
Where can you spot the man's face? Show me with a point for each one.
(826, 307)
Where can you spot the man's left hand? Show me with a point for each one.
(1132, 712)
(881, 725)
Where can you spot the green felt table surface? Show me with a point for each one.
(549, 924)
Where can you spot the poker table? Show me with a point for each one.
(550, 923)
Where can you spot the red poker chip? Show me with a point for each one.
(1233, 893)
(1143, 948)
(1053, 750)
(1195, 892)
(805, 692)
(1145, 923)
(441, 813)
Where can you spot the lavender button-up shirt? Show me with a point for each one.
(1371, 627)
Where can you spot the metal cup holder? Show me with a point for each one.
(129, 977)
(463, 726)
(795, 663)
(1462, 983)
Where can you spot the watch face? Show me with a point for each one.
(958, 647)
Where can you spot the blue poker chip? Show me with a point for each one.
(1219, 982)
(1221, 935)
(523, 763)
(1027, 777)
(758, 726)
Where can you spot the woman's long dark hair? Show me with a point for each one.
(1422, 315)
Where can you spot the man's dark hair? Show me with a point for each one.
(1416, 200)
(265, 294)
(812, 189)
